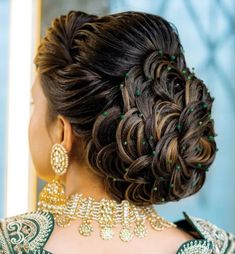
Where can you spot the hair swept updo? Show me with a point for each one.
(144, 118)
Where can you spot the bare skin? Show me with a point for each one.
(164, 242)
(79, 179)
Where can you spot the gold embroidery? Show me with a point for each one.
(217, 236)
(3, 245)
(4, 239)
(28, 232)
(222, 242)
(196, 247)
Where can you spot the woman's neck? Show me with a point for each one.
(80, 179)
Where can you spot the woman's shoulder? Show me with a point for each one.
(26, 233)
(209, 238)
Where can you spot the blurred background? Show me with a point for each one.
(207, 32)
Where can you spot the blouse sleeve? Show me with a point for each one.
(212, 239)
(25, 233)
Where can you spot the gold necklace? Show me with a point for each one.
(107, 212)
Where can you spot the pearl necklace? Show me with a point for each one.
(108, 213)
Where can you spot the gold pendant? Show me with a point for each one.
(85, 228)
(140, 230)
(125, 234)
(106, 233)
(63, 220)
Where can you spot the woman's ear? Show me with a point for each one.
(64, 132)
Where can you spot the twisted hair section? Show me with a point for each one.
(143, 116)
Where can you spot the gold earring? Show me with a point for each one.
(52, 197)
(59, 159)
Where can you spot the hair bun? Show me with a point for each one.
(142, 114)
(168, 130)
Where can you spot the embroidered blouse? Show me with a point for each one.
(29, 232)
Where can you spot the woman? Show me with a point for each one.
(119, 124)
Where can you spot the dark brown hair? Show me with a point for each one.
(144, 117)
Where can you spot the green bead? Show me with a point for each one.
(169, 68)
(153, 152)
(178, 127)
(210, 137)
(189, 77)
(204, 105)
(122, 116)
(151, 137)
(178, 167)
(199, 165)
(200, 123)
(105, 113)
(155, 188)
(125, 143)
(121, 85)
(184, 71)
(191, 109)
(173, 57)
(137, 93)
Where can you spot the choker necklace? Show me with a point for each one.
(107, 212)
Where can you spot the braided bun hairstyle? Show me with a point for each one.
(143, 116)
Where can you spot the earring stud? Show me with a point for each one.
(59, 159)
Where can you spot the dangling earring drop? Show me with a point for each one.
(52, 197)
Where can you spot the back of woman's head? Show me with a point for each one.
(143, 117)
